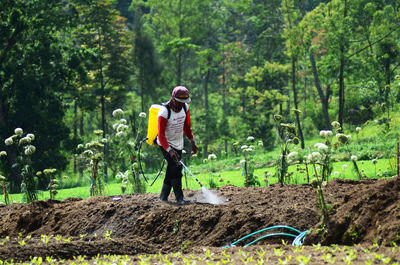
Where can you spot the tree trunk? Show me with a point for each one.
(179, 55)
(341, 77)
(103, 121)
(323, 98)
(206, 109)
(300, 131)
(75, 129)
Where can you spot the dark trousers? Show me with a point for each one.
(173, 177)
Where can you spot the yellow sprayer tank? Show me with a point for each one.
(152, 128)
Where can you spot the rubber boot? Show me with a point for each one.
(165, 191)
(177, 185)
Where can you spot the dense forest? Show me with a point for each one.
(66, 66)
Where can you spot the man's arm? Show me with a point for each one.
(187, 129)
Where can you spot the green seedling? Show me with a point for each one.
(279, 252)
(107, 235)
(45, 239)
(285, 261)
(303, 260)
(329, 258)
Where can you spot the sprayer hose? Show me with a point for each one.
(298, 237)
(140, 165)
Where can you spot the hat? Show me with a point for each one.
(181, 94)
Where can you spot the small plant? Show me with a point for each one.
(53, 184)
(317, 184)
(248, 164)
(288, 134)
(4, 184)
(25, 150)
(45, 239)
(303, 260)
(124, 177)
(123, 148)
(343, 139)
(176, 227)
(107, 235)
(92, 155)
(186, 244)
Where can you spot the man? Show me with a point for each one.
(173, 122)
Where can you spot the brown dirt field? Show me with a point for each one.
(363, 212)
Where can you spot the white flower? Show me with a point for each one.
(353, 158)
(321, 147)
(358, 129)
(118, 113)
(325, 133)
(25, 140)
(374, 161)
(292, 155)
(18, 131)
(123, 121)
(250, 138)
(344, 166)
(88, 153)
(314, 156)
(9, 141)
(122, 127)
(31, 135)
(242, 161)
(244, 147)
(336, 173)
(120, 134)
(104, 140)
(142, 115)
(260, 143)
(183, 151)
(348, 137)
(3, 153)
(29, 150)
(212, 156)
(115, 126)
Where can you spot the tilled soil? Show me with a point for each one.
(362, 212)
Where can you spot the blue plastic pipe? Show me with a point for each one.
(298, 237)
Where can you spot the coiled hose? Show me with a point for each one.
(298, 236)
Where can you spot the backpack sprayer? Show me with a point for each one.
(152, 131)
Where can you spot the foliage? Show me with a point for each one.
(125, 155)
(288, 137)
(91, 155)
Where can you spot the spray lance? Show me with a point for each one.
(188, 170)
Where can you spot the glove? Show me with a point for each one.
(174, 155)
(194, 146)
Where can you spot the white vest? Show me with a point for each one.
(175, 123)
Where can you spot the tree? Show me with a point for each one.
(148, 68)
(294, 48)
(32, 75)
(104, 34)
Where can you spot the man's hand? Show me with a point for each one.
(174, 155)
(194, 146)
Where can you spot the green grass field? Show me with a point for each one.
(233, 176)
